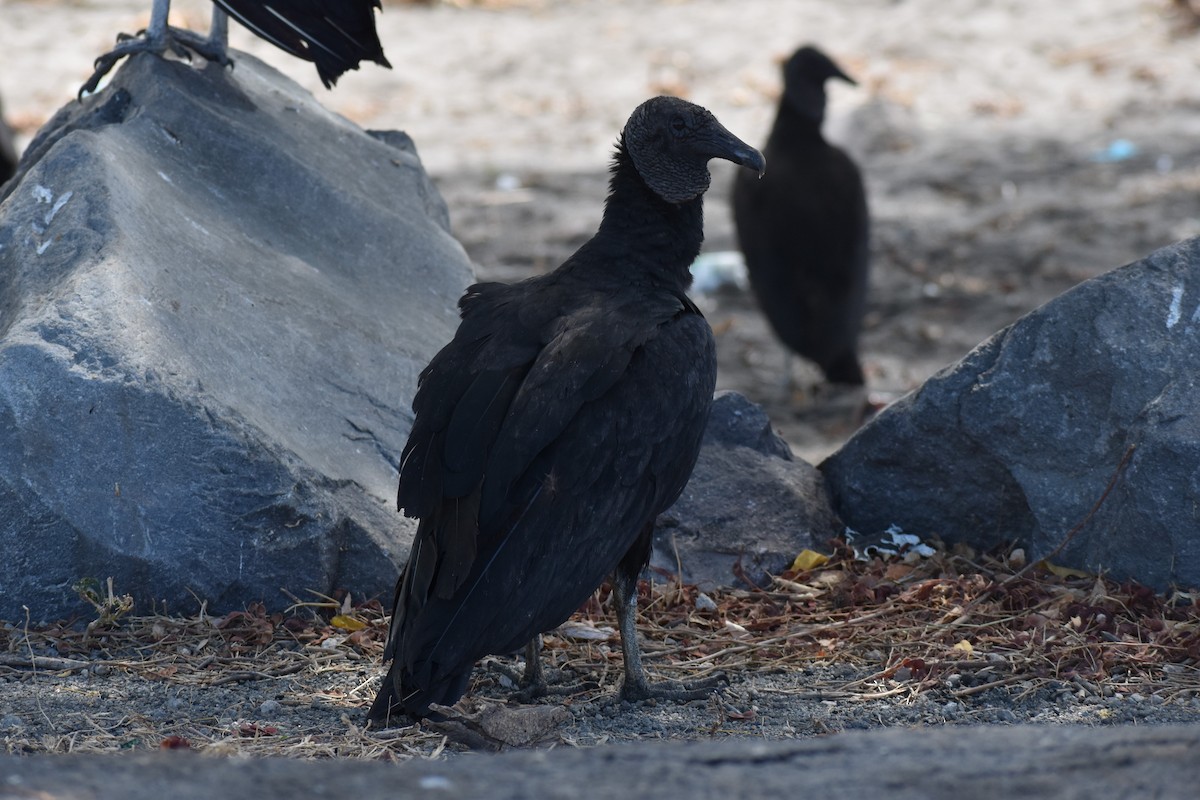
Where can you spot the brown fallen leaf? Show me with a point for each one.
(252, 730)
(491, 726)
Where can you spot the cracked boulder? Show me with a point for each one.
(215, 299)
(1078, 423)
(749, 507)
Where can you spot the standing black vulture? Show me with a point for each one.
(563, 417)
(804, 228)
(334, 34)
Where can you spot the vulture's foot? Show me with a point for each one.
(552, 683)
(637, 688)
(176, 40)
(535, 681)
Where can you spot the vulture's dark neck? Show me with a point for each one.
(796, 125)
(657, 239)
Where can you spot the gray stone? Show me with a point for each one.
(1054, 762)
(750, 506)
(215, 299)
(1020, 440)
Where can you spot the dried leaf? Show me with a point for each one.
(347, 623)
(252, 730)
(582, 631)
(1065, 572)
(738, 631)
(493, 727)
(827, 579)
(808, 559)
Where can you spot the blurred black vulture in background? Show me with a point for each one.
(563, 417)
(333, 34)
(804, 228)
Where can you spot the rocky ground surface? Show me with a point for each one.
(1010, 153)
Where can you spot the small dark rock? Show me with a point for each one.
(750, 504)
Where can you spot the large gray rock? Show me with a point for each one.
(1019, 440)
(749, 507)
(215, 299)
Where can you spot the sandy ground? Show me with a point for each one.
(1011, 149)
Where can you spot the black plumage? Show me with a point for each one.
(333, 34)
(804, 228)
(563, 417)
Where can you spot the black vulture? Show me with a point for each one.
(562, 418)
(804, 228)
(333, 34)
